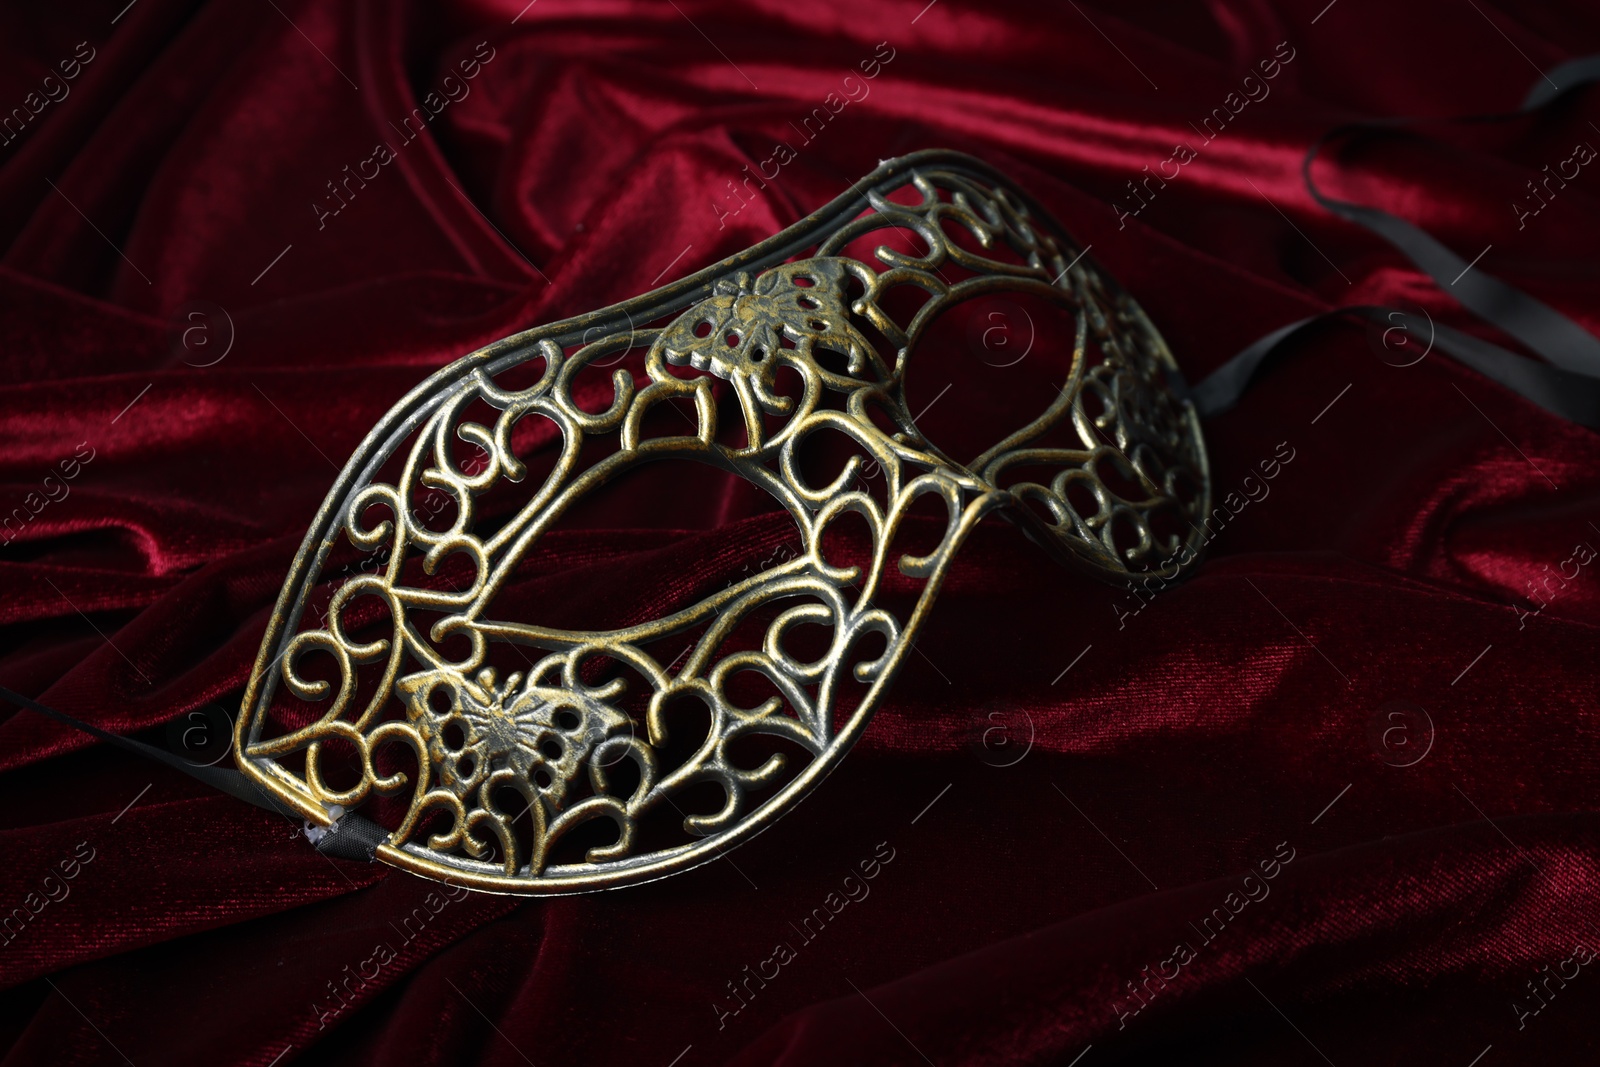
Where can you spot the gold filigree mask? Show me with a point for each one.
(507, 753)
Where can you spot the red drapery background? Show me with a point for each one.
(1377, 694)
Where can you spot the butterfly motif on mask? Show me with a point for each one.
(744, 328)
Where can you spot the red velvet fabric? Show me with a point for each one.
(1070, 889)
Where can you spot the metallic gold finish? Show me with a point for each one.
(491, 769)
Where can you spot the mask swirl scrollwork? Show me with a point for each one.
(503, 751)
